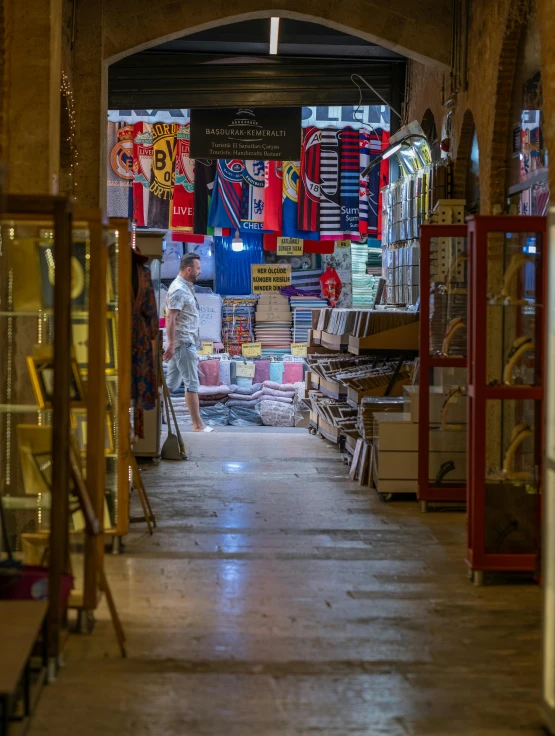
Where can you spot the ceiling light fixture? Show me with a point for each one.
(237, 244)
(274, 35)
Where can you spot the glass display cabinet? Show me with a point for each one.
(40, 383)
(442, 406)
(548, 536)
(505, 392)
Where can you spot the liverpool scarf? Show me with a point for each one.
(330, 206)
(183, 191)
(142, 171)
(309, 185)
(120, 170)
(162, 180)
(273, 194)
(225, 207)
(350, 175)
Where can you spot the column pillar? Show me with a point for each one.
(33, 52)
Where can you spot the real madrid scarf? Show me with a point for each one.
(225, 207)
(290, 206)
(183, 192)
(309, 185)
(162, 179)
(330, 206)
(252, 205)
(142, 171)
(350, 175)
(273, 185)
(120, 170)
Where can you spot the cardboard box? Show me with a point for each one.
(334, 389)
(396, 432)
(274, 315)
(335, 342)
(317, 336)
(273, 298)
(328, 430)
(314, 417)
(457, 412)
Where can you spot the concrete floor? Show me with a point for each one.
(276, 597)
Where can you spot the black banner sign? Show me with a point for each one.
(247, 133)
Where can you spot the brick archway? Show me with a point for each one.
(462, 160)
(495, 176)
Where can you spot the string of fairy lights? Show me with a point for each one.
(67, 92)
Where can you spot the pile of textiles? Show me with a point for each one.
(307, 280)
(273, 323)
(364, 286)
(238, 322)
(302, 307)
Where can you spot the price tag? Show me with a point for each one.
(251, 349)
(289, 247)
(343, 243)
(299, 349)
(207, 348)
(245, 370)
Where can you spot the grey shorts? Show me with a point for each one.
(183, 366)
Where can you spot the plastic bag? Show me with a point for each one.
(331, 285)
(277, 414)
(242, 416)
(215, 416)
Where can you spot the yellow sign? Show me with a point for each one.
(343, 243)
(299, 349)
(289, 247)
(270, 277)
(251, 349)
(245, 370)
(207, 348)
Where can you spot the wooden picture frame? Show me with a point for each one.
(80, 338)
(41, 372)
(79, 424)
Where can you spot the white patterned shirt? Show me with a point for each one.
(181, 296)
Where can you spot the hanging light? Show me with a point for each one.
(237, 244)
(274, 35)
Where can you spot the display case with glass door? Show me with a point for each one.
(43, 282)
(442, 406)
(506, 391)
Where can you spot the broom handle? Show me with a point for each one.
(169, 405)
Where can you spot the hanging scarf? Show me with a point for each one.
(252, 203)
(142, 171)
(370, 147)
(205, 174)
(330, 207)
(350, 175)
(309, 185)
(120, 170)
(183, 191)
(225, 207)
(290, 205)
(162, 180)
(273, 185)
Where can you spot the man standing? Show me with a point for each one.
(182, 336)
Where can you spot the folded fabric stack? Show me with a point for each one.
(284, 393)
(246, 396)
(302, 307)
(238, 322)
(273, 324)
(364, 285)
(308, 280)
(212, 395)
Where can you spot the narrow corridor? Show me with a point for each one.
(277, 597)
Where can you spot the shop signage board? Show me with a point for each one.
(270, 277)
(245, 370)
(206, 348)
(298, 349)
(343, 243)
(290, 247)
(251, 350)
(250, 133)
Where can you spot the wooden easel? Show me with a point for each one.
(93, 528)
(143, 495)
